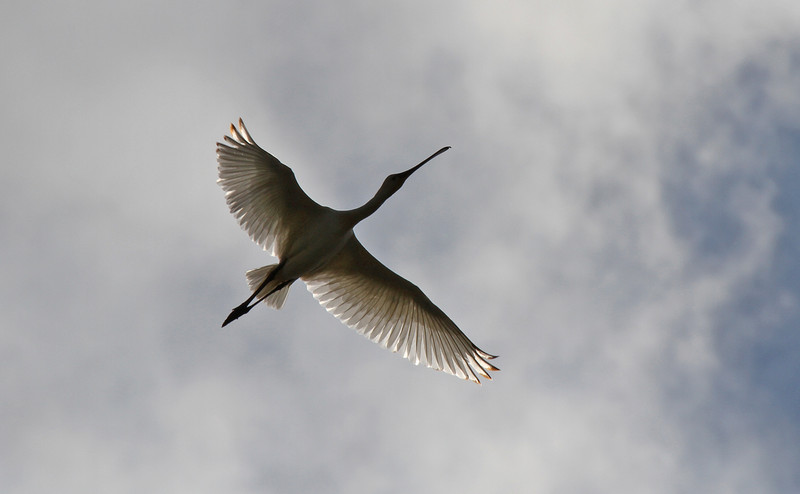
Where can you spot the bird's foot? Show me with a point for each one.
(236, 313)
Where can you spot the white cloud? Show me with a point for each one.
(609, 200)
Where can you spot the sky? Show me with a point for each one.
(617, 219)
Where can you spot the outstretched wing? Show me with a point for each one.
(391, 311)
(261, 192)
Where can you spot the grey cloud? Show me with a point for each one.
(615, 220)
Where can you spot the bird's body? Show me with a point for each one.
(313, 243)
(317, 244)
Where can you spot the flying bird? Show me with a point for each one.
(316, 244)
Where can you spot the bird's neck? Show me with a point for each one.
(356, 215)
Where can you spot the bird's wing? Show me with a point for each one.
(391, 311)
(261, 192)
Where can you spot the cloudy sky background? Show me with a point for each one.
(618, 219)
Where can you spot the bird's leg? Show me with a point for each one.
(244, 307)
(277, 288)
(236, 313)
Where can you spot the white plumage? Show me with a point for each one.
(317, 245)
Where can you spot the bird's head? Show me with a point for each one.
(393, 182)
(396, 180)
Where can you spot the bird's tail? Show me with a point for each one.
(255, 277)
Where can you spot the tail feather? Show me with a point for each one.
(255, 277)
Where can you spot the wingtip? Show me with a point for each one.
(244, 133)
(478, 381)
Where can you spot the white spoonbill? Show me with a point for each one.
(316, 244)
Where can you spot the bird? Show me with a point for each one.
(317, 245)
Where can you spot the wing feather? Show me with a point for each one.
(391, 311)
(262, 193)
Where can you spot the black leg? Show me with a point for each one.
(244, 308)
(236, 313)
(277, 288)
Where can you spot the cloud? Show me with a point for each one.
(615, 219)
